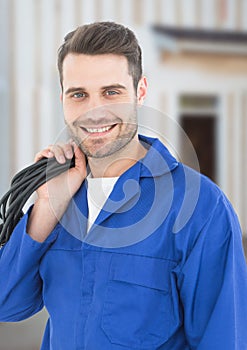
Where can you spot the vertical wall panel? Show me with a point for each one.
(198, 13)
(244, 160)
(221, 11)
(221, 139)
(36, 101)
(148, 8)
(24, 80)
(78, 12)
(126, 7)
(188, 12)
(12, 87)
(165, 123)
(244, 15)
(230, 22)
(5, 139)
(228, 146)
(68, 16)
(239, 16)
(168, 9)
(208, 14)
(88, 11)
(108, 10)
(178, 13)
(98, 9)
(49, 93)
(236, 145)
(137, 9)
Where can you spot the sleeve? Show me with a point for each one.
(213, 285)
(20, 282)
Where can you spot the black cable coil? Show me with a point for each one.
(22, 187)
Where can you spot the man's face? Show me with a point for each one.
(100, 102)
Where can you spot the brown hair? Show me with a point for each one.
(103, 38)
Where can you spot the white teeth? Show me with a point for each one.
(94, 130)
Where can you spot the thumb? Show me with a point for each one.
(80, 159)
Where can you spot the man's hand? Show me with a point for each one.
(54, 196)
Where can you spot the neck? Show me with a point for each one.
(117, 163)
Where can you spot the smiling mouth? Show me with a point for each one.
(99, 130)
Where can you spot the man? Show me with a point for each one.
(159, 264)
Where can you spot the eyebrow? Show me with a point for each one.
(114, 86)
(107, 87)
(73, 89)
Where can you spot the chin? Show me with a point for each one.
(104, 151)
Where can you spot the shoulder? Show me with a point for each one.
(200, 199)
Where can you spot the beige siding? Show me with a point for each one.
(244, 163)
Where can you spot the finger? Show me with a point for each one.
(59, 153)
(67, 150)
(63, 150)
(79, 155)
(46, 153)
(80, 158)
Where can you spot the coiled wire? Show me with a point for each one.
(22, 187)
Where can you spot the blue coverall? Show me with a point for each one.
(162, 267)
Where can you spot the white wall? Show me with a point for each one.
(4, 97)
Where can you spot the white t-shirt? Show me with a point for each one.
(99, 189)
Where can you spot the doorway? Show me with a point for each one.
(201, 132)
(198, 118)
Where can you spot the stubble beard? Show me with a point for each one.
(98, 148)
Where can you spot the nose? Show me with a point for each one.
(95, 102)
(96, 108)
(97, 115)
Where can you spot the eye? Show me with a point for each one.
(79, 95)
(111, 93)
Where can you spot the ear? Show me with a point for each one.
(141, 90)
(61, 97)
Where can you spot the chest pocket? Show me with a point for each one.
(137, 310)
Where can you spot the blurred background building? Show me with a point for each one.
(195, 58)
